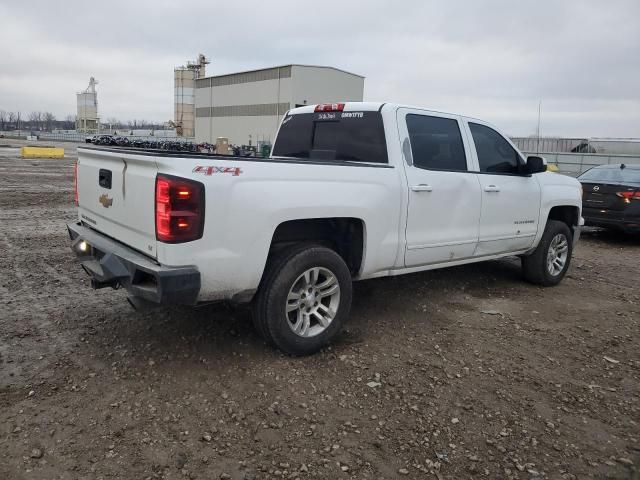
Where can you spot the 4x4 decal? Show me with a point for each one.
(210, 170)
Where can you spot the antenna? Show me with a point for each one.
(538, 131)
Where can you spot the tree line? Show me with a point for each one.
(41, 121)
(115, 124)
(47, 122)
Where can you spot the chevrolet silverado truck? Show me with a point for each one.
(351, 191)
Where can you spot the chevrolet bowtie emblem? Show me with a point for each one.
(105, 200)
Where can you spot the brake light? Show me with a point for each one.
(179, 209)
(329, 107)
(629, 195)
(75, 182)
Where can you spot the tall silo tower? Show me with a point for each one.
(184, 91)
(87, 118)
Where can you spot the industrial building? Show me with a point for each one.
(247, 107)
(184, 78)
(87, 120)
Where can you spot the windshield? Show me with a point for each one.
(617, 175)
(338, 136)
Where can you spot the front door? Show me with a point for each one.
(444, 197)
(510, 200)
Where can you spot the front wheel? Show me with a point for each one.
(303, 300)
(549, 262)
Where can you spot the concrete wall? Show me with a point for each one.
(606, 146)
(576, 163)
(238, 128)
(219, 111)
(324, 85)
(267, 91)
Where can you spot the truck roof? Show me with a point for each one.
(348, 107)
(378, 106)
(367, 107)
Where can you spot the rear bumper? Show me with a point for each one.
(612, 219)
(111, 264)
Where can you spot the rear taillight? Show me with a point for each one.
(179, 209)
(329, 107)
(629, 195)
(75, 182)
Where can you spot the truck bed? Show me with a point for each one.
(215, 156)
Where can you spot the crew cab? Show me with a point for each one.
(351, 191)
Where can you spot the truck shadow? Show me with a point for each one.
(219, 331)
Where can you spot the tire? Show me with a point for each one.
(307, 289)
(536, 267)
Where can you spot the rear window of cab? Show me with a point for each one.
(333, 136)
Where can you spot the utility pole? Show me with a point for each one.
(538, 132)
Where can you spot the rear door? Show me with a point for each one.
(116, 196)
(444, 196)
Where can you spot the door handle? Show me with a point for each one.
(491, 188)
(422, 188)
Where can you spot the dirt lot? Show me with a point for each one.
(453, 374)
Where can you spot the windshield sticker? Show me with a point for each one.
(210, 170)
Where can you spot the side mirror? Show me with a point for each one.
(536, 165)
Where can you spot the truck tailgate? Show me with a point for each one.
(116, 195)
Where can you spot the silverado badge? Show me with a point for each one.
(105, 200)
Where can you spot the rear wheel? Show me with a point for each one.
(549, 262)
(303, 300)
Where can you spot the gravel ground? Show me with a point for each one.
(460, 373)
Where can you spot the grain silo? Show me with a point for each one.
(184, 91)
(87, 120)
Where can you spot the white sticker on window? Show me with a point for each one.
(352, 115)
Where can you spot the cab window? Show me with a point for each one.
(436, 143)
(495, 153)
(333, 136)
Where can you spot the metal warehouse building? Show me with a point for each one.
(248, 106)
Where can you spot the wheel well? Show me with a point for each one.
(566, 214)
(344, 235)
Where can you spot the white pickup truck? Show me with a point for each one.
(351, 191)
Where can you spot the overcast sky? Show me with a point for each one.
(489, 59)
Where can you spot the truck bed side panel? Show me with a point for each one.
(248, 199)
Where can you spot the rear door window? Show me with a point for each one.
(333, 136)
(436, 143)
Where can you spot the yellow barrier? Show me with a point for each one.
(42, 152)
